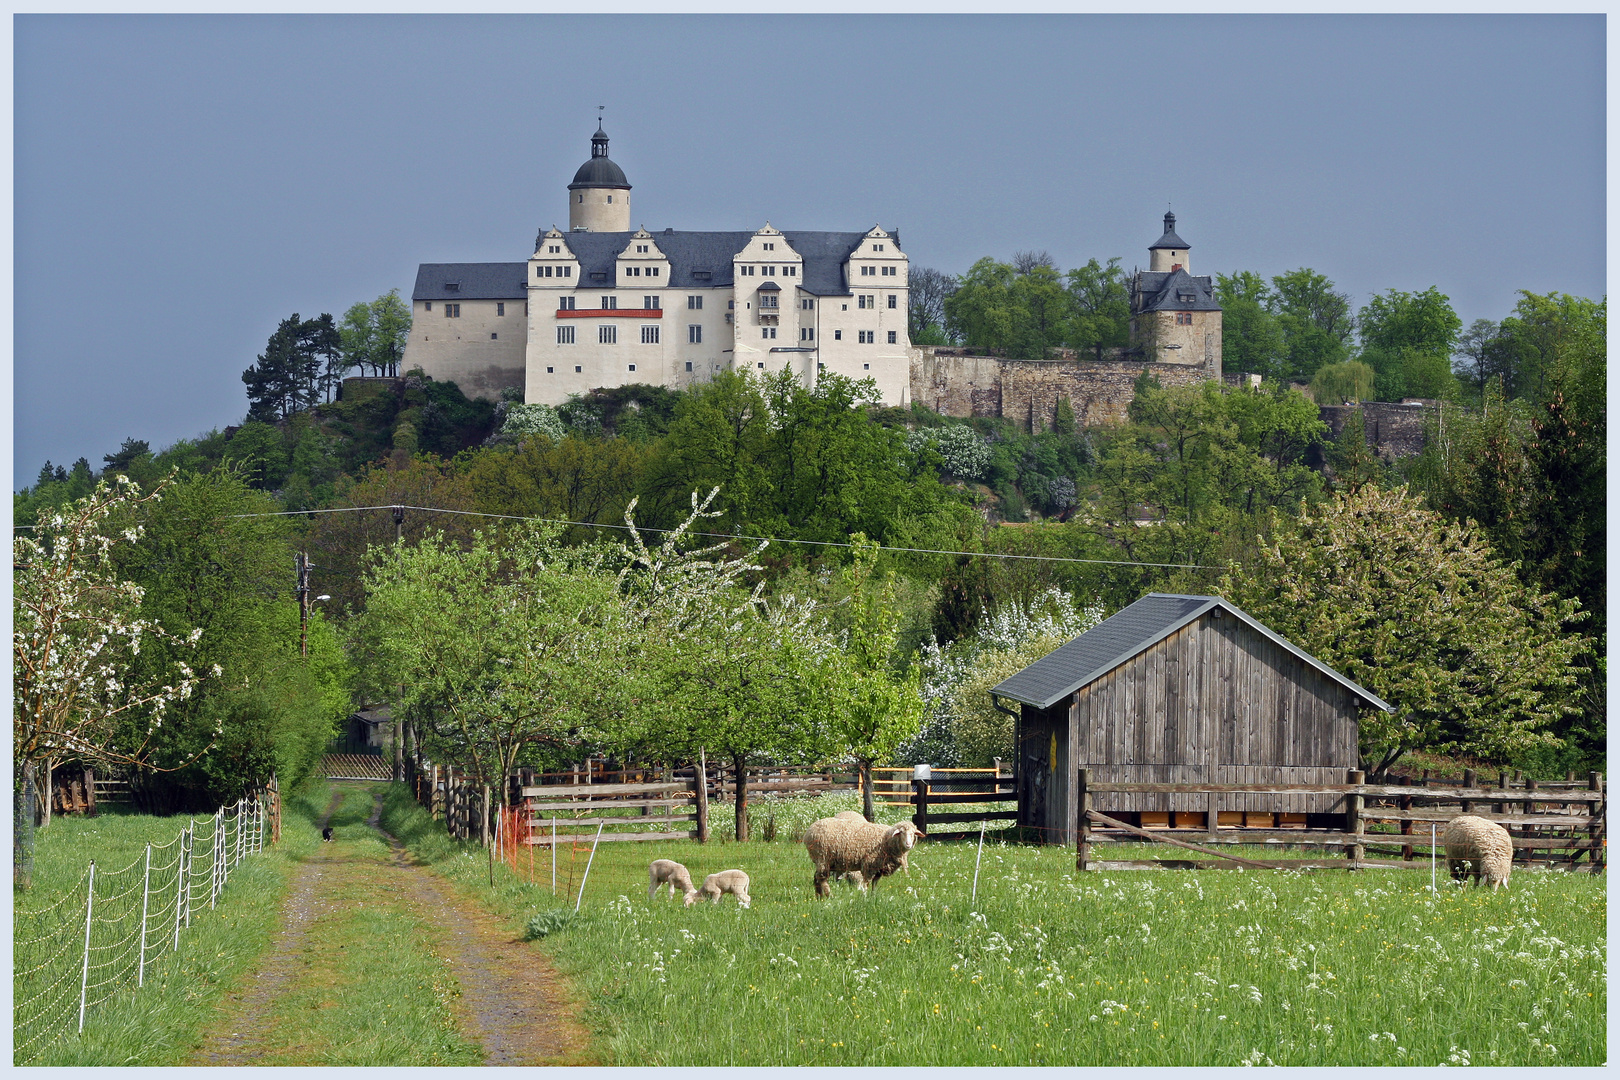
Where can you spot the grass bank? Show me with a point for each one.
(1049, 967)
(160, 1023)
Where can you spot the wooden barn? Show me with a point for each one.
(1181, 689)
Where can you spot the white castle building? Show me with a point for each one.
(604, 305)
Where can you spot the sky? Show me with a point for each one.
(183, 183)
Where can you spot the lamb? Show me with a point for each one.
(1484, 844)
(849, 844)
(667, 870)
(715, 886)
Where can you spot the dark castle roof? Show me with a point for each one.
(1173, 290)
(471, 281)
(697, 260)
(1170, 239)
(1132, 630)
(599, 171)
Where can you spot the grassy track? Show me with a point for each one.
(370, 987)
(161, 1022)
(1048, 967)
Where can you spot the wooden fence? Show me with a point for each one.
(1550, 826)
(960, 788)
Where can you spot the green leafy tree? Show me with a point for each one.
(1100, 308)
(497, 646)
(997, 308)
(1421, 613)
(1337, 383)
(1252, 339)
(1408, 339)
(1316, 321)
(1526, 351)
(873, 708)
(372, 337)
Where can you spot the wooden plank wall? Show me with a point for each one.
(1216, 702)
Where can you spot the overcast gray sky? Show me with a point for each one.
(183, 183)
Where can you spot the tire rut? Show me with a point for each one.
(510, 1000)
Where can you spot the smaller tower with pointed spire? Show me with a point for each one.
(1174, 316)
(1169, 252)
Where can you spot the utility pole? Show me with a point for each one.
(399, 720)
(301, 565)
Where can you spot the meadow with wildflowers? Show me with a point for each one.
(1052, 967)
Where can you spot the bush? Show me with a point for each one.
(545, 923)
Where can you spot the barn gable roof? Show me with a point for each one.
(1130, 631)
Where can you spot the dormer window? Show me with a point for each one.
(877, 247)
(452, 286)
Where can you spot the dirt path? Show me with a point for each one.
(507, 999)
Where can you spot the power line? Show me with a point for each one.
(738, 536)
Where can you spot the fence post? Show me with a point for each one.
(587, 876)
(179, 884)
(84, 975)
(146, 892)
(1083, 826)
(920, 818)
(1353, 821)
(217, 854)
(1469, 779)
(1406, 827)
(1599, 811)
(90, 792)
(483, 821)
(191, 853)
(702, 802)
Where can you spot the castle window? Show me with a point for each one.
(770, 247)
(566, 303)
(1183, 318)
(790, 271)
(427, 305)
(581, 199)
(649, 335)
(492, 335)
(807, 304)
(632, 271)
(894, 301)
(642, 248)
(868, 271)
(694, 335)
(577, 369)
(767, 332)
(867, 337)
(761, 365)
(452, 311)
(568, 271)
(891, 271)
(550, 370)
(610, 198)
(555, 249)
(892, 339)
(877, 247)
(610, 303)
(565, 335)
(807, 333)
(652, 271)
(694, 303)
(838, 335)
(500, 309)
(632, 367)
(866, 367)
(820, 366)
(650, 303)
(689, 365)
(607, 335)
(862, 301)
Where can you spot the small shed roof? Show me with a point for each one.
(1125, 634)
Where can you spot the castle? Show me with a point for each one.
(604, 304)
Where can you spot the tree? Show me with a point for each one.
(127, 454)
(288, 375)
(1408, 339)
(1027, 262)
(995, 307)
(76, 626)
(1334, 384)
(873, 708)
(1252, 339)
(496, 647)
(1421, 613)
(1315, 321)
(1471, 361)
(925, 305)
(1527, 348)
(1100, 308)
(372, 336)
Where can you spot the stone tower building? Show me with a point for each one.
(599, 197)
(1174, 316)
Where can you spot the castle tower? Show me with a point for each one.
(599, 197)
(1169, 252)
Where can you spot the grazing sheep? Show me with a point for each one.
(849, 844)
(667, 870)
(715, 886)
(856, 815)
(1484, 844)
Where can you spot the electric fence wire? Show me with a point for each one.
(733, 536)
(100, 937)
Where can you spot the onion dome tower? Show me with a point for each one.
(599, 197)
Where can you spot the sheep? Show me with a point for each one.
(863, 850)
(1484, 844)
(856, 815)
(667, 870)
(715, 886)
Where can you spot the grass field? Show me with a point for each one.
(159, 1023)
(1050, 967)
